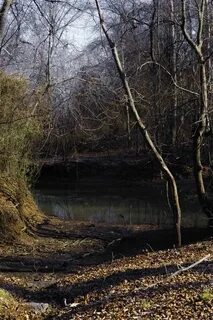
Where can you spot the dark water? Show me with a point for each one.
(117, 202)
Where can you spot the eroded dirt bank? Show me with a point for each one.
(112, 164)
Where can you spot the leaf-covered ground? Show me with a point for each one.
(138, 286)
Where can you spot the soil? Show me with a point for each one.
(87, 271)
(112, 164)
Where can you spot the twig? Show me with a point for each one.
(189, 267)
(175, 273)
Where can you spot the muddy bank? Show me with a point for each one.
(64, 246)
(120, 165)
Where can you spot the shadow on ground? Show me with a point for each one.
(39, 275)
(55, 294)
(117, 246)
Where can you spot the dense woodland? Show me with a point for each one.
(86, 105)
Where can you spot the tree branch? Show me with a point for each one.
(172, 78)
(3, 12)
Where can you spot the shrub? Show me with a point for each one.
(21, 122)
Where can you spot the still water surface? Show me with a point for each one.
(117, 202)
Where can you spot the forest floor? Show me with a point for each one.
(84, 271)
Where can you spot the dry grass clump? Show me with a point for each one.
(21, 124)
(18, 211)
(22, 115)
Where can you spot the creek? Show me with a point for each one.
(115, 201)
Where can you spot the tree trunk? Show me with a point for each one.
(174, 73)
(155, 69)
(203, 118)
(197, 146)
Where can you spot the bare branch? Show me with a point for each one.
(172, 78)
(191, 266)
(3, 12)
(185, 32)
(200, 23)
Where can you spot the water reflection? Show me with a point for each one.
(115, 203)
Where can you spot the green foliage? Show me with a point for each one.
(20, 125)
(146, 304)
(4, 294)
(207, 295)
(5, 298)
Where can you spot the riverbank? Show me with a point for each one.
(125, 165)
(87, 271)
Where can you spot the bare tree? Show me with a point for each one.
(167, 173)
(202, 124)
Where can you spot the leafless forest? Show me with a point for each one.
(90, 80)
